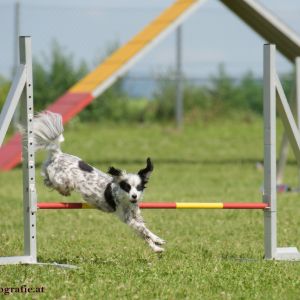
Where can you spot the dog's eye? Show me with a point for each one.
(140, 187)
(125, 186)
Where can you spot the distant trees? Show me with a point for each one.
(221, 95)
(54, 74)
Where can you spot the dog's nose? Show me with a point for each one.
(134, 196)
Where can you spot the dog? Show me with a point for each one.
(115, 192)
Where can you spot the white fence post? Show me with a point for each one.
(29, 190)
(270, 151)
(297, 101)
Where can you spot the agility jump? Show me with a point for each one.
(22, 88)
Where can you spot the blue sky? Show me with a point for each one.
(213, 35)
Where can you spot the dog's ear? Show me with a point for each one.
(145, 173)
(115, 172)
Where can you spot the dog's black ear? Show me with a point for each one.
(114, 172)
(145, 173)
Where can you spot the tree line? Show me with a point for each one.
(220, 96)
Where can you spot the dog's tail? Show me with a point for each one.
(47, 130)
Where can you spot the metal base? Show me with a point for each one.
(28, 260)
(287, 253)
(14, 260)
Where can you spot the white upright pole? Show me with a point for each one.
(297, 89)
(297, 101)
(29, 190)
(270, 230)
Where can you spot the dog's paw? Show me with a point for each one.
(157, 249)
(159, 241)
(154, 246)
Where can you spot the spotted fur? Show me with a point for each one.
(85, 167)
(113, 192)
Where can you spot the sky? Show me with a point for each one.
(85, 29)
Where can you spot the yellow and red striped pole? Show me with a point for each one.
(163, 205)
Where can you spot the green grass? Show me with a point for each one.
(209, 254)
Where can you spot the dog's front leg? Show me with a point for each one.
(138, 217)
(145, 233)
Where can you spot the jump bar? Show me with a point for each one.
(162, 205)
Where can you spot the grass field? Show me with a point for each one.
(209, 254)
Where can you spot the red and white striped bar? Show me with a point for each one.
(163, 205)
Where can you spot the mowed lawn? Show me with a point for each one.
(210, 254)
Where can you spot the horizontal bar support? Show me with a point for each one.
(162, 205)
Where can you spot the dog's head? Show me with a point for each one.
(131, 186)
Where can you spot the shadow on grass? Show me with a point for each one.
(78, 261)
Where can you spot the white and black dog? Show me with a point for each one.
(116, 192)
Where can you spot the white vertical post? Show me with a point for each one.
(297, 90)
(29, 191)
(297, 101)
(270, 230)
(179, 83)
